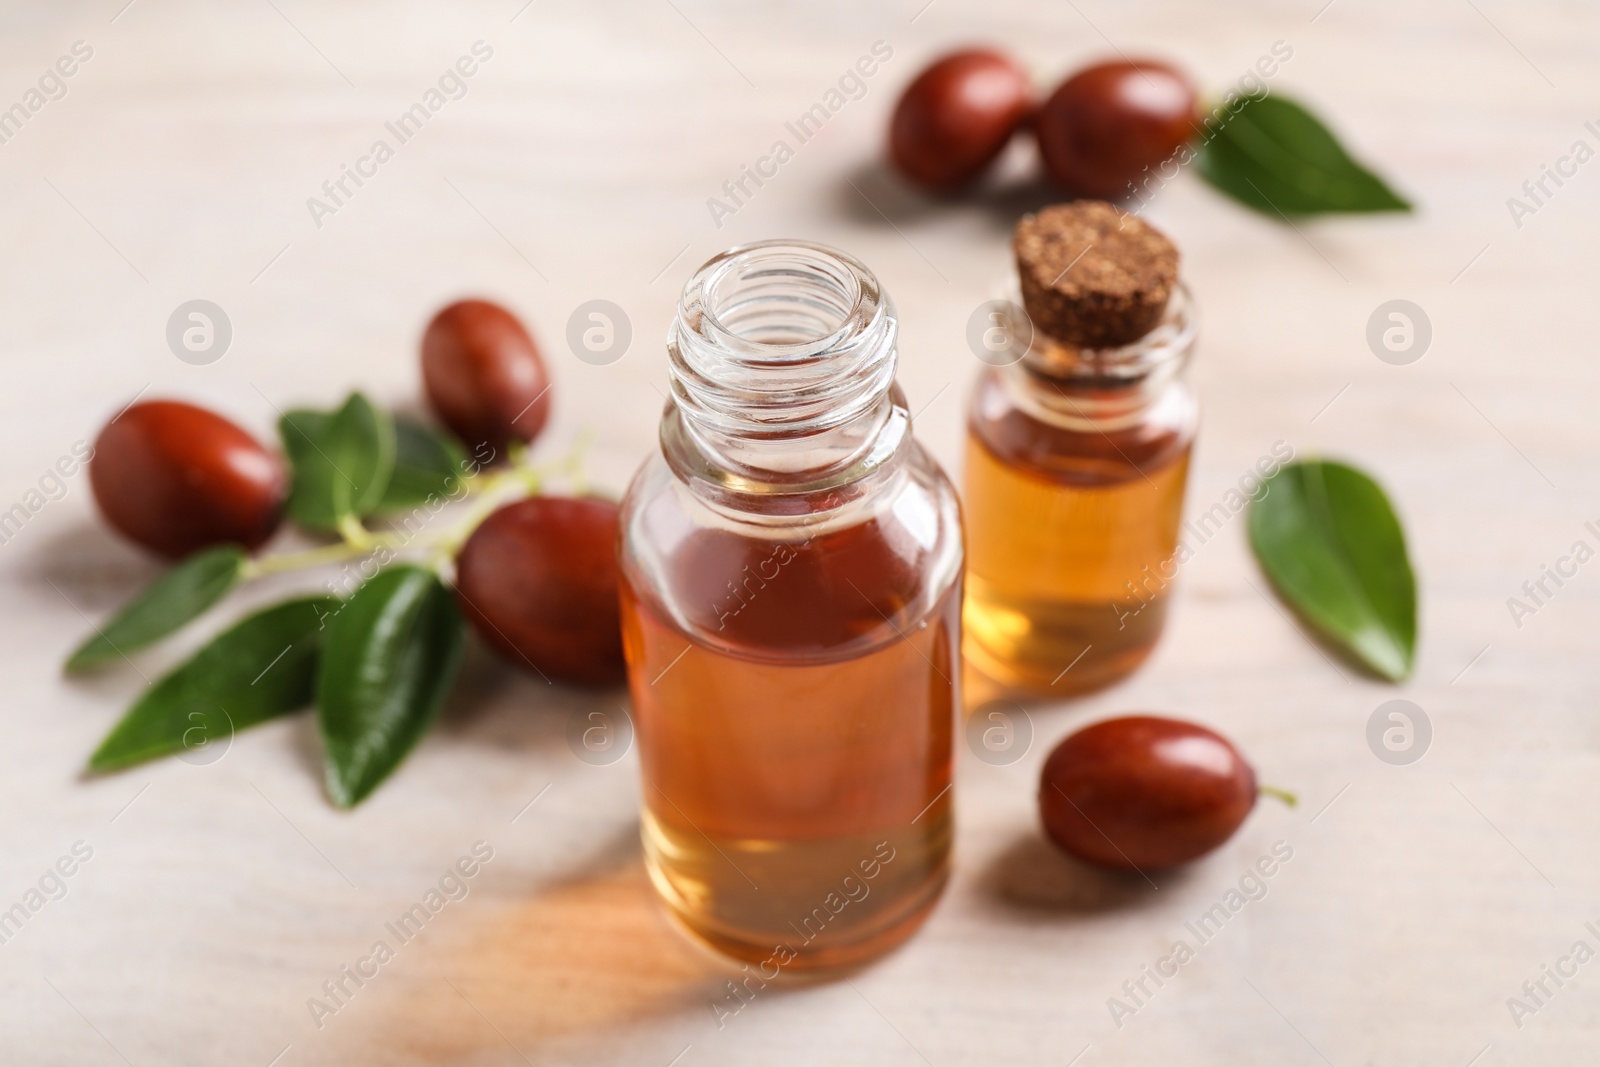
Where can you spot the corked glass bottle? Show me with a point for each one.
(791, 617)
(1078, 455)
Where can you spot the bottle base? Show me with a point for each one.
(1055, 648)
(766, 959)
(800, 907)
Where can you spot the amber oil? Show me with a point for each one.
(1076, 464)
(791, 618)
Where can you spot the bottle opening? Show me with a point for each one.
(781, 295)
(782, 356)
(781, 337)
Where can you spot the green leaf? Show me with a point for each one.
(426, 463)
(342, 461)
(1330, 542)
(263, 667)
(177, 597)
(392, 654)
(1273, 155)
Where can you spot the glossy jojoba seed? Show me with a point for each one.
(954, 119)
(538, 581)
(1144, 792)
(176, 478)
(484, 376)
(1105, 125)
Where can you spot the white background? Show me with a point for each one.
(578, 167)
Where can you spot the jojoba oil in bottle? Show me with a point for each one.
(791, 604)
(1077, 456)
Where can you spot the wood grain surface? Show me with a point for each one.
(578, 165)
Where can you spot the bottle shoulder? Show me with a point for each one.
(1080, 434)
(827, 583)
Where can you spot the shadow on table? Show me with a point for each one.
(1032, 875)
(548, 974)
(873, 195)
(502, 706)
(87, 565)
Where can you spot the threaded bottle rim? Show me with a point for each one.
(780, 339)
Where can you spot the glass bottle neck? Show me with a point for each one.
(782, 358)
(1100, 388)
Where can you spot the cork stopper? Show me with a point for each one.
(1093, 276)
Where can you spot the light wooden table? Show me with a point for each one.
(220, 898)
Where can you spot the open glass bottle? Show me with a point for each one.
(792, 567)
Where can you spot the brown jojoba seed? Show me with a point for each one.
(956, 117)
(177, 478)
(1144, 792)
(538, 581)
(1108, 124)
(484, 376)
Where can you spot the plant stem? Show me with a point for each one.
(489, 489)
(1288, 798)
(314, 557)
(354, 533)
